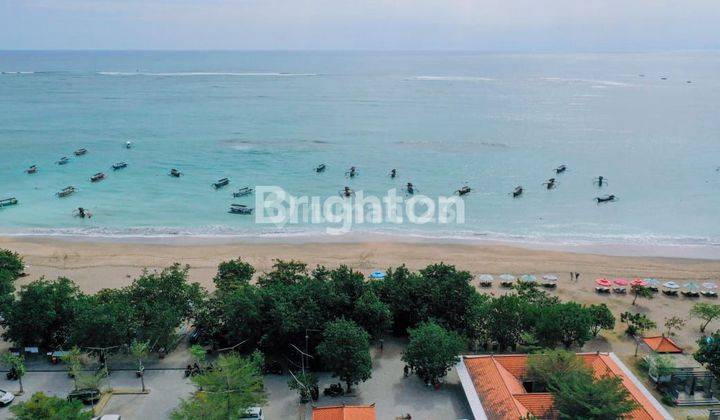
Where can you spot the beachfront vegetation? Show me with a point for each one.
(705, 312)
(576, 392)
(674, 323)
(601, 318)
(708, 353)
(432, 351)
(344, 352)
(12, 263)
(227, 391)
(641, 291)
(44, 407)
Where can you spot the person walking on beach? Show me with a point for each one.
(577, 277)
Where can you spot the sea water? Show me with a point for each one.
(443, 120)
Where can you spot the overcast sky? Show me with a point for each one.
(493, 25)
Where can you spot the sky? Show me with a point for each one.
(483, 25)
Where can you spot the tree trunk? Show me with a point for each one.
(702, 327)
(142, 380)
(21, 386)
(635, 298)
(348, 387)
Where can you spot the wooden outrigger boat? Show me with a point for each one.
(605, 199)
(97, 177)
(63, 161)
(8, 202)
(119, 165)
(221, 183)
(464, 190)
(321, 168)
(560, 169)
(31, 170)
(174, 172)
(240, 209)
(517, 192)
(66, 191)
(242, 192)
(80, 152)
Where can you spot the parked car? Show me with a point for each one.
(253, 413)
(86, 395)
(6, 398)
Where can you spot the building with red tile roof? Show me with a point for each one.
(662, 344)
(493, 385)
(344, 412)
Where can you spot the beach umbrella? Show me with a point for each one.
(377, 275)
(507, 277)
(621, 282)
(652, 282)
(709, 286)
(692, 286)
(528, 278)
(485, 278)
(550, 277)
(603, 282)
(638, 282)
(671, 285)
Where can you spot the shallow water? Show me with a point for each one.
(442, 119)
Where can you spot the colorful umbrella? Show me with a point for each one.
(621, 282)
(671, 285)
(528, 278)
(652, 282)
(692, 286)
(638, 282)
(507, 277)
(485, 278)
(377, 275)
(550, 277)
(603, 282)
(709, 286)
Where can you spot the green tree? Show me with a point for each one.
(199, 354)
(16, 363)
(140, 351)
(106, 319)
(569, 323)
(641, 291)
(432, 351)
(705, 312)
(73, 359)
(12, 263)
(43, 314)
(601, 318)
(7, 291)
(552, 365)
(43, 407)
(674, 323)
(344, 351)
(708, 353)
(161, 302)
(581, 396)
(285, 272)
(638, 324)
(233, 273)
(506, 320)
(372, 314)
(303, 383)
(401, 290)
(226, 392)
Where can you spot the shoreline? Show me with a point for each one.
(653, 250)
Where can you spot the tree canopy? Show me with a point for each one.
(432, 351)
(344, 352)
(43, 407)
(706, 312)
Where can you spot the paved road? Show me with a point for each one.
(392, 394)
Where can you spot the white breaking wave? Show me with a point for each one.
(454, 78)
(603, 83)
(18, 72)
(204, 73)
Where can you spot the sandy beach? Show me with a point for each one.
(97, 265)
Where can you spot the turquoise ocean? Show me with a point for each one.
(649, 123)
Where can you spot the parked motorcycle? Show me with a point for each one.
(334, 390)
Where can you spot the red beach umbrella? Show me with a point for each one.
(621, 282)
(638, 282)
(603, 282)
